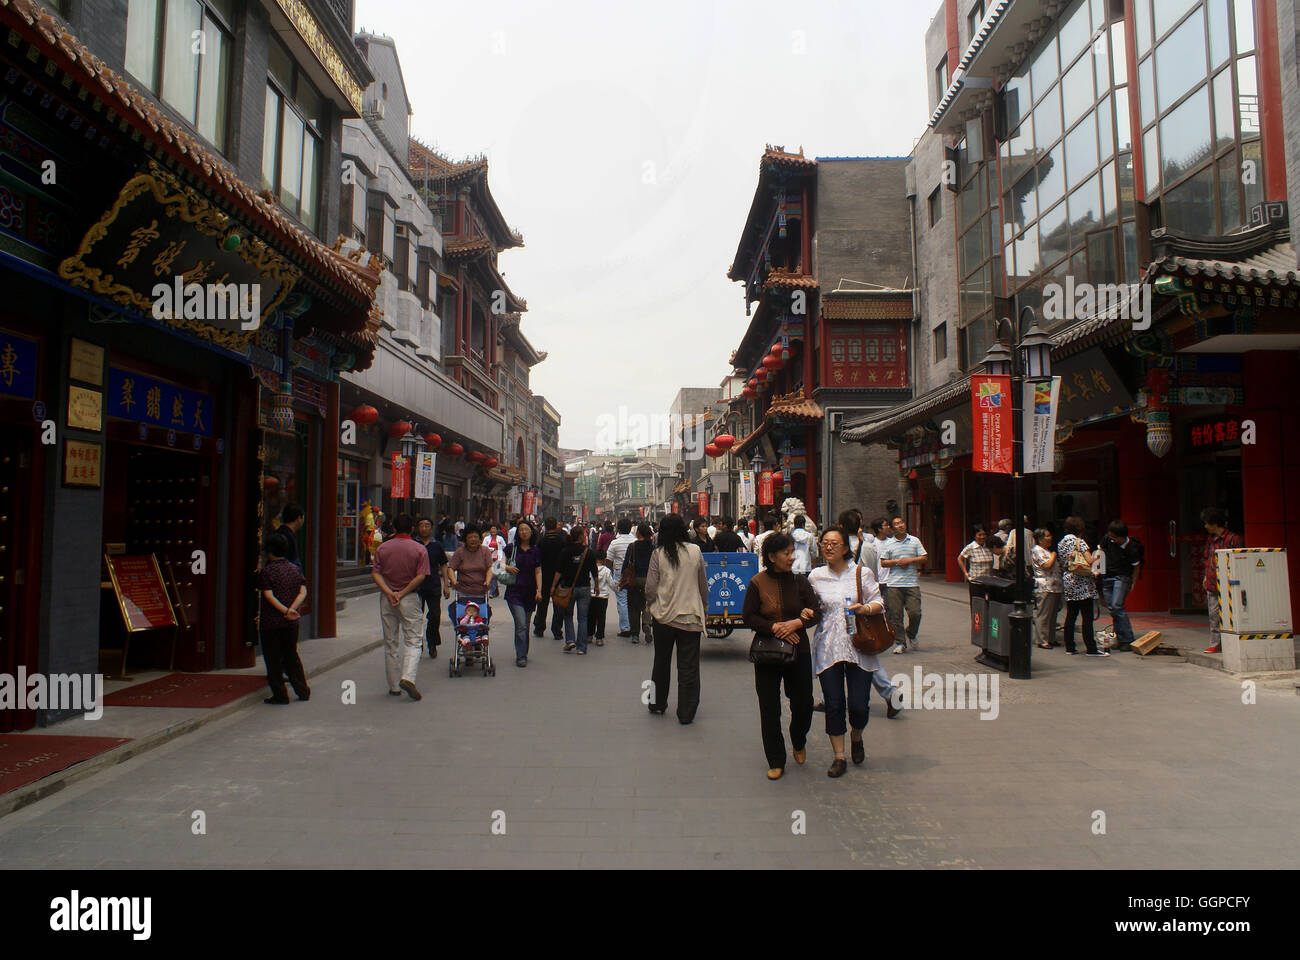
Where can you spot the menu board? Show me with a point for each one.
(141, 594)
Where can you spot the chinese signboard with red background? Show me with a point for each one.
(864, 355)
(990, 399)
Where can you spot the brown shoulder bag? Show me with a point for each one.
(873, 633)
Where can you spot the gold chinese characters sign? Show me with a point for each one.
(162, 233)
(85, 409)
(310, 30)
(86, 362)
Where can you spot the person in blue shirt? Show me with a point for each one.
(902, 555)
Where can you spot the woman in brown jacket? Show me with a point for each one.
(783, 604)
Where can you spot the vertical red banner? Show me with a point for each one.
(702, 504)
(529, 503)
(765, 489)
(990, 403)
(643, 511)
(401, 487)
(676, 507)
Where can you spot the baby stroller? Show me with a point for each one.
(471, 646)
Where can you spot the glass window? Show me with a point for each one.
(1077, 94)
(1131, 270)
(1252, 186)
(1180, 61)
(1248, 98)
(1245, 10)
(972, 199)
(291, 133)
(1106, 128)
(1081, 151)
(1229, 200)
(1054, 234)
(141, 37)
(1102, 264)
(1185, 137)
(1017, 99)
(1142, 14)
(1009, 258)
(280, 66)
(1022, 203)
(1169, 12)
(292, 148)
(270, 138)
(1224, 115)
(1019, 152)
(1075, 31)
(1123, 122)
(1101, 61)
(1027, 253)
(180, 72)
(1051, 178)
(1189, 207)
(1151, 162)
(215, 69)
(1044, 67)
(973, 248)
(1109, 194)
(310, 164)
(1047, 119)
(1147, 90)
(1124, 166)
(1119, 58)
(1085, 210)
(1220, 34)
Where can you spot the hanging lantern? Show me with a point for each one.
(282, 407)
(400, 429)
(772, 363)
(474, 456)
(270, 484)
(453, 450)
(776, 350)
(749, 393)
(940, 477)
(724, 441)
(364, 415)
(753, 383)
(432, 441)
(1160, 437)
(490, 462)
(713, 450)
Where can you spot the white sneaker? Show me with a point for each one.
(899, 648)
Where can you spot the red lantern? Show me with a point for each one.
(712, 450)
(364, 415)
(753, 383)
(454, 450)
(432, 441)
(474, 456)
(400, 429)
(724, 442)
(749, 393)
(778, 478)
(772, 363)
(270, 484)
(490, 462)
(776, 350)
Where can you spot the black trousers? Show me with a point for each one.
(1073, 608)
(280, 651)
(596, 617)
(433, 618)
(688, 670)
(635, 609)
(797, 678)
(557, 615)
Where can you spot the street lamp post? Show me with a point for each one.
(1030, 356)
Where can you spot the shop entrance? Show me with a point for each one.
(161, 502)
(351, 477)
(1214, 481)
(19, 629)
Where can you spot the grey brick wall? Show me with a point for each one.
(936, 265)
(861, 219)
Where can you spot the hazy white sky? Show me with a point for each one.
(623, 142)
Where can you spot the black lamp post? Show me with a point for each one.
(1030, 356)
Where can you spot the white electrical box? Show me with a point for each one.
(1254, 591)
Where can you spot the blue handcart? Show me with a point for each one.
(728, 576)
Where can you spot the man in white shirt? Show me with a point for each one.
(496, 543)
(903, 556)
(617, 553)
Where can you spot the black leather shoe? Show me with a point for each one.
(857, 751)
(838, 768)
(276, 701)
(658, 711)
(820, 707)
(892, 711)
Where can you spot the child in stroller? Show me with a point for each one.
(471, 617)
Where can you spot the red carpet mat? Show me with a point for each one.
(187, 690)
(28, 757)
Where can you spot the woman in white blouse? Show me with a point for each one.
(844, 673)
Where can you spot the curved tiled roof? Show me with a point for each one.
(1274, 266)
(780, 279)
(795, 406)
(464, 249)
(52, 38)
(426, 164)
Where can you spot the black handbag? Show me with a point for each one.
(771, 649)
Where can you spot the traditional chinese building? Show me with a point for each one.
(168, 432)
(825, 259)
(1141, 147)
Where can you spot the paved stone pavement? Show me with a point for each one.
(567, 756)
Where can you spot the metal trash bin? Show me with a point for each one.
(992, 599)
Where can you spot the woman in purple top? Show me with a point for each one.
(524, 560)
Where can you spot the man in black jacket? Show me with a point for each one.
(727, 541)
(1122, 557)
(551, 546)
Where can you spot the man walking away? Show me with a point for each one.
(902, 556)
(1215, 521)
(1121, 567)
(432, 585)
(617, 552)
(400, 567)
(552, 545)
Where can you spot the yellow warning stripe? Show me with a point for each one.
(1264, 636)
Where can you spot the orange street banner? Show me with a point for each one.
(990, 399)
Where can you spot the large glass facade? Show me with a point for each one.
(1199, 113)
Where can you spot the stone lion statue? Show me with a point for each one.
(792, 507)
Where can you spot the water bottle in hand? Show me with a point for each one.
(850, 622)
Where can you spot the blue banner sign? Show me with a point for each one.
(142, 399)
(17, 366)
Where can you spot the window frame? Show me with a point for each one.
(314, 129)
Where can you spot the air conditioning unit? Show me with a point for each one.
(836, 420)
